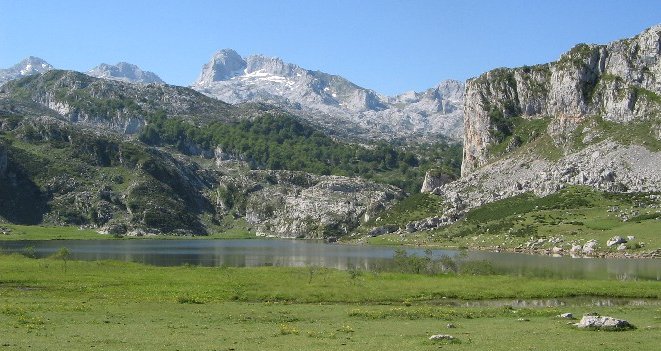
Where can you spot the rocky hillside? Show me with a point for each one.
(113, 105)
(619, 82)
(341, 107)
(125, 72)
(55, 172)
(592, 118)
(132, 159)
(29, 66)
(296, 204)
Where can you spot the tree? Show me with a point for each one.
(64, 254)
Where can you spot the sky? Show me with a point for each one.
(390, 46)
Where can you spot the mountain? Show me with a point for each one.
(129, 158)
(338, 105)
(592, 118)
(124, 72)
(619, 82)
(29, 66)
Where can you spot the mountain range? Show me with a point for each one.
(339, 106)
(125, 156)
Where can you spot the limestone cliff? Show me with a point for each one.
(618, 82)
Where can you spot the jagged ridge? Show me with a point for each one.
(340, 106)
(125, 72)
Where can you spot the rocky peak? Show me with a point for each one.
(124, 72)
(451, 90)
(333, 102)
(272, 65)
(28, 66)
(32, 65)
(224, 65)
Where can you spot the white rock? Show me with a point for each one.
(589, 247)
(615, 241)
(604, 323)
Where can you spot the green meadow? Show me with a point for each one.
(57, 304)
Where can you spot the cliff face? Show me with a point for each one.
(620, 82)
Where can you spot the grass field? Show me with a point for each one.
(51, 304)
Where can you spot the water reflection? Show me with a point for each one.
(536, 303)
(242, 253)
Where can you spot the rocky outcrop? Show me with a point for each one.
(296, 204)
(435, 179)
(124, 72)
(620, 82)
(333, 102)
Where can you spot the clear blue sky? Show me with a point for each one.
(390, 46)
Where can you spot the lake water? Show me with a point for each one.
(256, 252)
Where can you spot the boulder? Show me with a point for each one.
(441, 337)
(603, 323)
(435, 179)
(567, 315)
(386, 229)
(616, 240)
(576, 248)
(589, 247)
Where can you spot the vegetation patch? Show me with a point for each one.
(411, 208)
(284, 142)
(518, 132)
(573, 215)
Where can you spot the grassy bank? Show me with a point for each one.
(33, 232)
(571, 216)
(53, 304)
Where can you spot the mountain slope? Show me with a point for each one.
(124, 72)
(591, 119)
(54, 172)
(29, 66)
(114, 105)
(341, 107)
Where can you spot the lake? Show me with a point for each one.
(265, 252)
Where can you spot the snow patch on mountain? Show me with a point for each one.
(28, 66)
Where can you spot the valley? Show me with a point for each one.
(451, 190)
